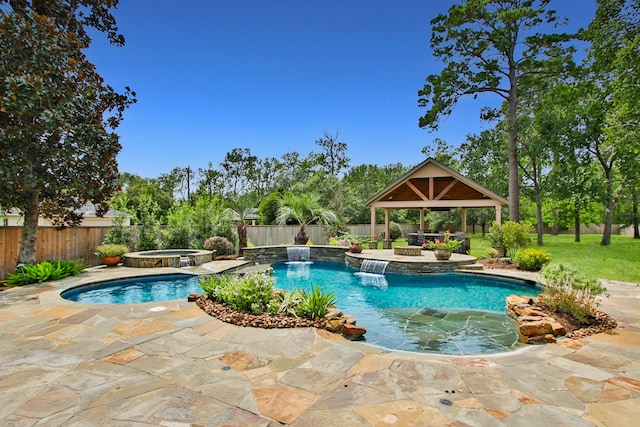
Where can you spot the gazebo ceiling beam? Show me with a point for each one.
(417, 191)
(446, 189)
(420, 204)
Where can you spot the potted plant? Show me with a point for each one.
(442, 248)
(111, 253)
(355, 244)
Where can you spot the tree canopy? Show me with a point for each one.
(57, 117)
(492, 46)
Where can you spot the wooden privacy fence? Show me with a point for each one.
(53, 243)
(73, 243)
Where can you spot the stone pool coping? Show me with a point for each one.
(166, 258)
(170, 364)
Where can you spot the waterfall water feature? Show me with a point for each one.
(373, 266)
(372, 273)
(298, 254)
(186, 261)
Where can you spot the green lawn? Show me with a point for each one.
(619, 261)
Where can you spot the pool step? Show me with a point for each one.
(472, 267)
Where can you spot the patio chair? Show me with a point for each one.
(462, 237)
(411, 238)
(420, 238)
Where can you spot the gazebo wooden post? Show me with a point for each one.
(373, 242)
(386, 243)
(498, 214)
(463, 220)
(422, 219)
(373, 223)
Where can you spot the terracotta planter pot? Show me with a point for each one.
(110, 261)
(441, 254)
(356, 249)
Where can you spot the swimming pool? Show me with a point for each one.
(156, 288)
(441, 313)
(446, 313)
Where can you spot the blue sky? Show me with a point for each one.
(272, 76)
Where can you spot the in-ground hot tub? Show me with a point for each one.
(167, 258)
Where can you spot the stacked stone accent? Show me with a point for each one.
(534, 326)
(271, 254)
(338, 322)
(408, 250)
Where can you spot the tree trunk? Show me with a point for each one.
(301, 238)
(539, 225)
(609, 208)
(242, 237)
(634, 202)
(514, 180)
(576, 224)
(27, 252)
(554, 216)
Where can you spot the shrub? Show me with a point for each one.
(509, 237)
(531, 259)
(314, 304)
(229, 233)
(110, 249)
(121, 234)
(250, 293)
(568, 291)
(44, 271)
(395, 231)
(491, 253)
(220, 244)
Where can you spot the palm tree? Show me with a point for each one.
(305, 209)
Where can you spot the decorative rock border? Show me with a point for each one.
(534, 326)
(334, 321)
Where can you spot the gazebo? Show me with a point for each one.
(433, 186)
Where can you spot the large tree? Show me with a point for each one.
(57, 117)
(492, 46)
(613, 70)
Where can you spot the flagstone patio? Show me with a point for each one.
(168, 363)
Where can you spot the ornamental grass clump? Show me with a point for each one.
(568, 291)
(314, 304)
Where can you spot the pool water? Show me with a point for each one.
(441, 313)
(165, 287)
(445, 313)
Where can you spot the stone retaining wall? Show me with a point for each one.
(271, 254)
(409, 267)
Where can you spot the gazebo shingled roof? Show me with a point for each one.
(431, 185)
